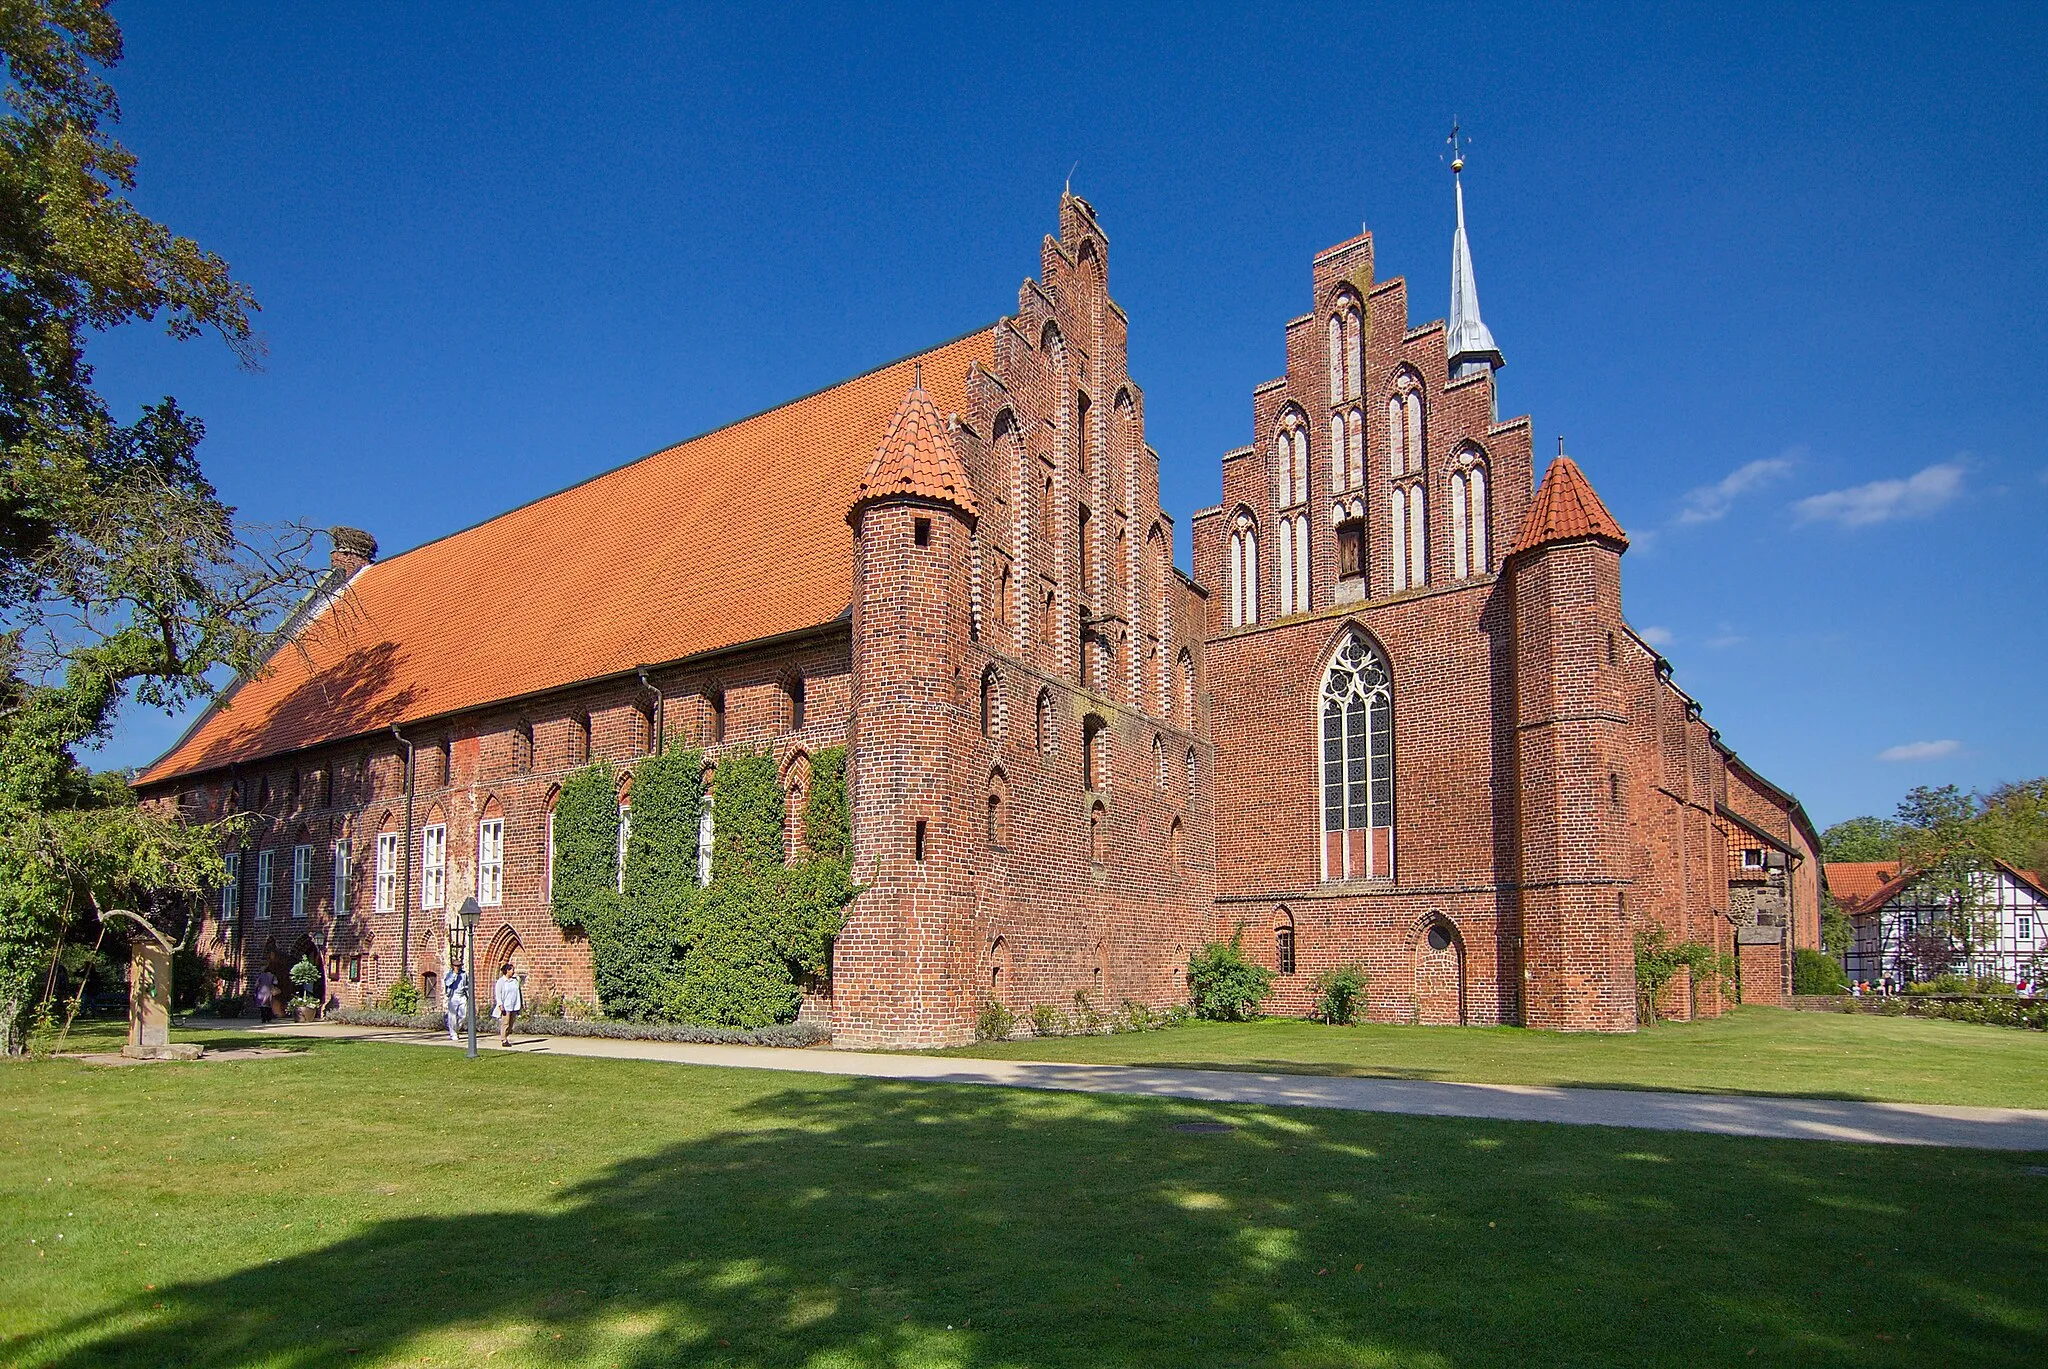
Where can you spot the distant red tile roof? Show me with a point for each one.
(916, 458)
(1856, 884)
(1566, 509)
(728, 538)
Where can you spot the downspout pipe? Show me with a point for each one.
(405, 869)
(660, 721)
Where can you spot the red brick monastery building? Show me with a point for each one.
(1395, 718)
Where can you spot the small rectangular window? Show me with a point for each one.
(355, 969)
(919, 841)
(490, 862)
(1283, 950)
(1753, 858)
(231, 887)
(2026, 927)
(387, 872)
(921, 532)
(434, 865)
(264, 862)
(1350, 551)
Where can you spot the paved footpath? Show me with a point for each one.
(1803, 1119)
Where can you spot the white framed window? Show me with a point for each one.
(1753, 858)
(340, 878)
(302, 879)
(2026, 926)
(265, 866)
(547, 868)
(625, 835)
(490, 862)
(704, 836)
(231, 887)
(387, 872)
(434, 865)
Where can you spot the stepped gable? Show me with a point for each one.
(916, 460)
(1566, 509)
(725, 539)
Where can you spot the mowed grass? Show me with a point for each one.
(360, 1203)
(1752, 1050)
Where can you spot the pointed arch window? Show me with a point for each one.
(1469, 515)
(1347, 359)
(1242, 571)
(1357, 763)
(1290, 460)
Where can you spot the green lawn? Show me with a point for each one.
(359, 1203)
(1753, 1050)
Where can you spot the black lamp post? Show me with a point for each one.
(467, 915)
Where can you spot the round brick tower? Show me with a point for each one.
(902, 967)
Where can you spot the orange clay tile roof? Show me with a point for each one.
(728, 538)
(1854, 883)
(1566, 509)
(916, 458)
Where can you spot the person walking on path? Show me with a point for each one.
(507, 1001)
(266, 992)
(455, 997)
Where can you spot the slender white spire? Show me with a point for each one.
(1471, 345)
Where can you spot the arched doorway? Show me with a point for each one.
(505, 949)
(1439, 974)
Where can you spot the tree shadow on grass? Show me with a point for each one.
(884, 1224)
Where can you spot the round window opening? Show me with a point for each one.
(1439, 939)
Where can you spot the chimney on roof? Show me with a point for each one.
(353, 549)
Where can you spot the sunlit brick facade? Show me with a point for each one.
(1394, 719)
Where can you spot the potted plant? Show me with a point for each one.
(306, 1004)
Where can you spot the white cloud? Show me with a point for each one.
(1659, 637)
(1920, 751)
(1726, 637)
(1861, 505)
(1711, 502)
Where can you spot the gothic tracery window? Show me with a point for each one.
(1358, 763)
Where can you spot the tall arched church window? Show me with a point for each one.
(1354, 449)
(1336, 345)
(1340, 425)
(1469, 515)
(1242, 571)
(1354, 351)
(1357, 763)
(1408, 506)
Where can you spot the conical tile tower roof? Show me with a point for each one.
(1566, 509)
(917, 460)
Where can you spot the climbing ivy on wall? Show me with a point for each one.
(828, 820)
(586, 842)
(746, 814)
(735, 953)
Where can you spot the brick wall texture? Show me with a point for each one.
(1072, 765)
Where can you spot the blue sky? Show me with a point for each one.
(1779, 275)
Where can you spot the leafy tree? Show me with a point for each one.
(1943, 838)
(2012, 824)
(1864, 838)
(1837, 933)
(122, 574)
(1816, 973)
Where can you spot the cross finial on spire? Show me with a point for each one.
(1458, 145)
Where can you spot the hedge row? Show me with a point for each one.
(1989, 1010)
(791, 1034)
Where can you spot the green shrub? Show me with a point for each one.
(1340, 995)
(1046, 1020)
(635, 953)
(403, 997)
(1223, 985)
(1135, 1017)
(1086, 1020)
(828, 821)
(1817, 972)
(305, 974)
(994, 1022)
(586, 842)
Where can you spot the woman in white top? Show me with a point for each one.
(508, 1002)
